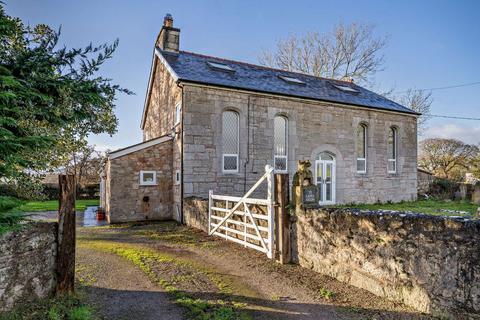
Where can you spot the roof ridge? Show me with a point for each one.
(265, 67)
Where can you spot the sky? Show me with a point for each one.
(432, 43)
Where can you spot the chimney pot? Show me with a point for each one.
(168, 20)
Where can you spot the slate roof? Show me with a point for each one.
(193, 67)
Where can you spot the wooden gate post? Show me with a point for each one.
(282, 221)
(66, 235)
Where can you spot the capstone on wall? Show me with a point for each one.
(312, 128)
(430, 263)
(28, 264)
(127, 198)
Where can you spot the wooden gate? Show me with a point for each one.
(244, 220)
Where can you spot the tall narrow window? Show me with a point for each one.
(230, 141)
(392, 150)
(362, 148)
(280, 133)
(178, 114)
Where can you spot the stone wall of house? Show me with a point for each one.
(27, 264)
(428, 262)
(165, 94)
(128, 199)
(313, 127)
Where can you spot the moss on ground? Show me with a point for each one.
(197, 308)
(68, 307)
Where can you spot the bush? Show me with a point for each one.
(443, 188)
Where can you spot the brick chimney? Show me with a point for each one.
(169, 37)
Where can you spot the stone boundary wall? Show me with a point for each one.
(195, 213)
(427, 262)
(28, 264)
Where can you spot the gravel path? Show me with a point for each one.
(119, 290)
(210, 269)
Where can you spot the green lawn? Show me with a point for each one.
(433, 207)
(52, 205)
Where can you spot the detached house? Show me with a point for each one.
(213, 124)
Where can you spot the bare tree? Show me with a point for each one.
(419, 101)
(447, 158)
(349, 51)
(85, 164)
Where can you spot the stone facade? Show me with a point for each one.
(130, 201)
(427, 262)
(164, 96)
(28, 264)
(313, 127)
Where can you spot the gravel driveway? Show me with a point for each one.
(166, 271)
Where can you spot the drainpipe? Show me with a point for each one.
(248, 148)
(181, 155)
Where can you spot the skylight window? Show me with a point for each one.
(345, 88)
(220, 66)
(291, 80)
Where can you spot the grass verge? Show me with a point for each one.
(52, 205)
(200, 309)
(68, 307)
(433, 207)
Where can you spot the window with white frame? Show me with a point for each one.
(392, 150)
(362, 148)
(280, 144)
(178, 114)
(148, 178)
(230, 134)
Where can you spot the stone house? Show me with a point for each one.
(213, 124)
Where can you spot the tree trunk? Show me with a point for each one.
(66, 235)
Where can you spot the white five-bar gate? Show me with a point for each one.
(247, 221)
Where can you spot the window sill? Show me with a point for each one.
(148, 185)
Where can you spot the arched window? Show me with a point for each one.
(230, 134)
(280, 144)
(392, 150)
(362, 148)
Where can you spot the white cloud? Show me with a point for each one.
(467, 134)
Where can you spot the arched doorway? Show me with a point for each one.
(325, 177)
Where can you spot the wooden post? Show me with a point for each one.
(282, 230)
(66, 235)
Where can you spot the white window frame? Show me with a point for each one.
(223, 162)
(236, 155)
(363, 127)
(148, 183)
(395, 150)
(275, 156)
(178, 114)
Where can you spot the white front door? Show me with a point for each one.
(325, 179)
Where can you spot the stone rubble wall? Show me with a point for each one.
(126, 195)
(427, 262)
(195, 213)
(28, 264)
(430, 263)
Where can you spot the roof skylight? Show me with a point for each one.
(346, 88)
(220, 66)
(291, 80)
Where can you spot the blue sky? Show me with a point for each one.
(432, 44)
